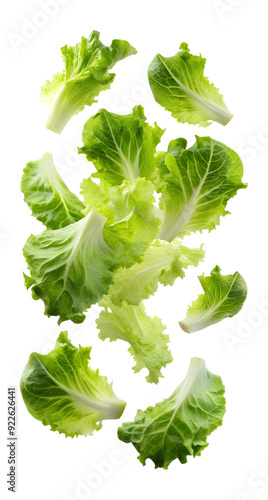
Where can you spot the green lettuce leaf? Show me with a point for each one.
(179, 85)
(71, 267)
(86, 74)
(162, 263)
(148, 343)
(179, 426)
(48, 196)
(121, 146)
(196, 184)
(223, 298)
(62, 391)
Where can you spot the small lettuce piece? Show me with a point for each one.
(47, 195)
(86, 74)
(196, 184)
(179, 85)
(62, 391)
(71, 267)
(121, 146)
(223, 298)
(162, 262)
(179, 426)
(148, 343)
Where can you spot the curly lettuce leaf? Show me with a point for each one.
(223, 298)
(121, 146)
(86, 74)
(179, 85)
(179, 426)
(47, 195)
(162, 262)
(148, 343)
(62, 391)
(71, 267)
(196, 184)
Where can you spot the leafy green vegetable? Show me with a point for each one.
(178, 426)
(71, 268)
(86, 74)
(62, 391)
(196, 185)
(48, 196)
(179, 85)
(148, 343)
(121, 146)
(223, 298)
(162, 263)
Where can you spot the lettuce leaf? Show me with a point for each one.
(196, 184)
(148, 343)
(62, 391)
(121, 146)
(71, 267)
(86, 74)
(179, 85)
(223, 298)
(48, 196)
(162, 262)
(178, 426)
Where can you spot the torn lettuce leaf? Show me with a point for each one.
(223, 298)
(86, 74)
(62, 391)
(162, 262)
(179, 426)
(196, 184)
(148, 343)
(179, 85)
(71, 267)
(121, 146)
(47, 195)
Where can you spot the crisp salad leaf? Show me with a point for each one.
(121, 146)
(86, 74)
(196, 185)
(179, 85)
(223, 298)
(62, 391)
(179, 426)
(148, 343)
(48, 196)
(71, 268)
(162, 262)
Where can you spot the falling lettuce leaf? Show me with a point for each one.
(148, 343)
(48, 196)
(162, 262)
(179, 85)
(62, 391)
(121, 146)
(86, 74)
(180, 425)
(223, 298)
(196, 184)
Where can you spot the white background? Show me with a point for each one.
(233, 36)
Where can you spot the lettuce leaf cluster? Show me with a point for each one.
(122, 238)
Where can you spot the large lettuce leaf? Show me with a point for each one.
(223, 298)
(179, 426)
(196, 184)
(86, 74)
(62, 391)
(121, 146)
(48, 196)
(179, 85)
(148, 343)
